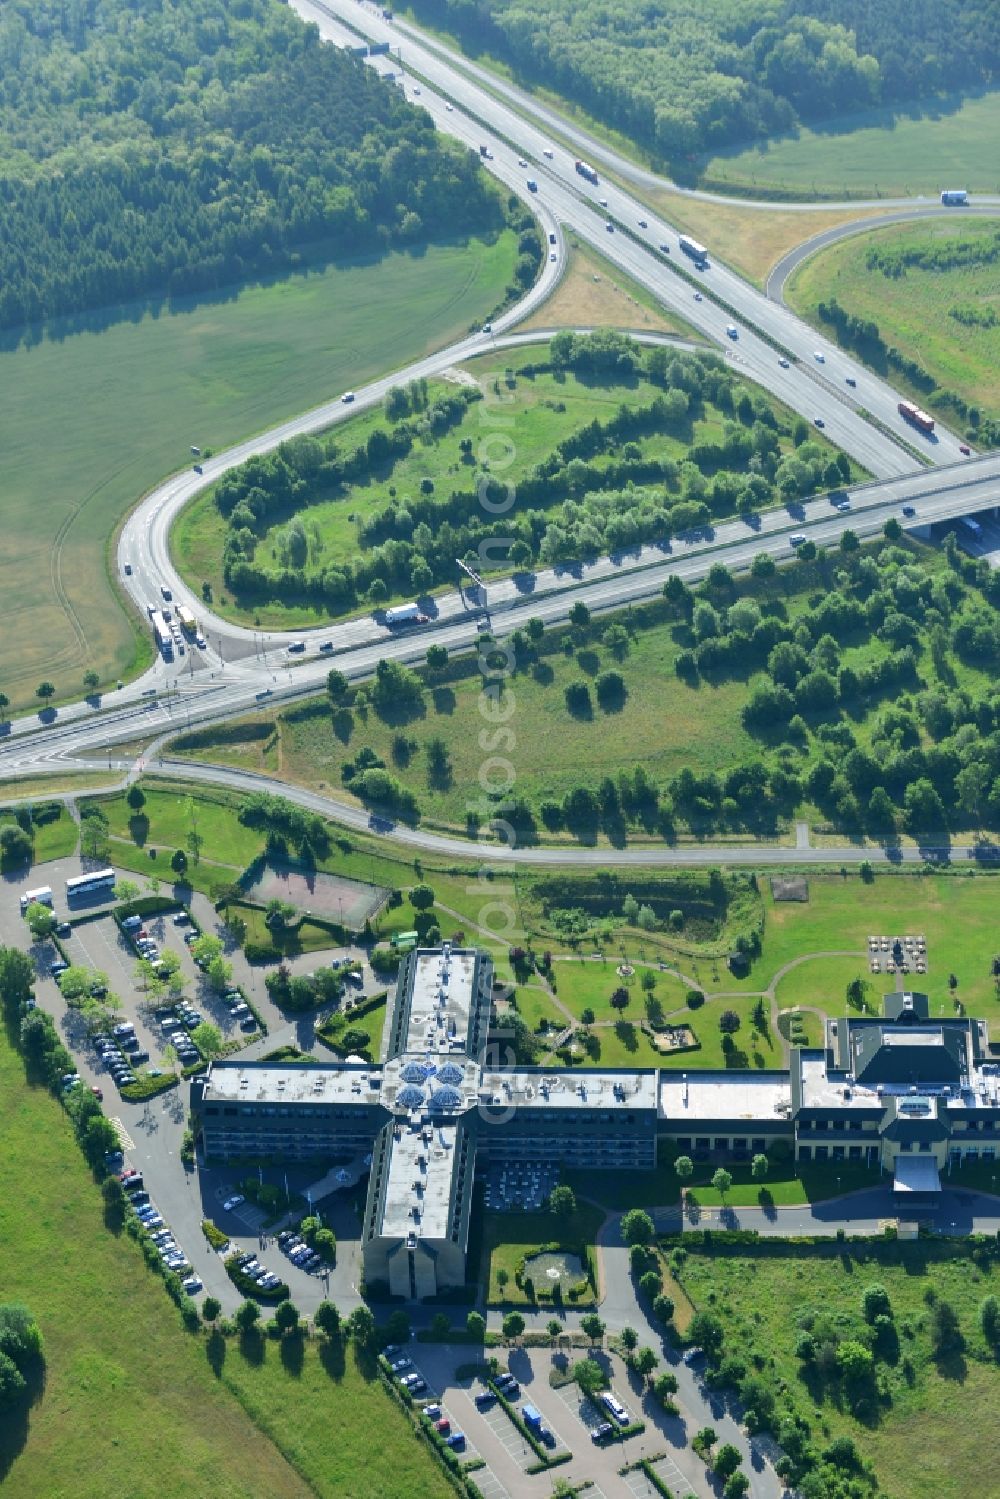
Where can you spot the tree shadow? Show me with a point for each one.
(342, 722)
(215, 1351)
(331, 1356)
(252, 1346)
(138, 826)
(292, 1350)
(15, 1423)
(444, 700)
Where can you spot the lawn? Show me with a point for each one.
(956, 914)
(765, 1297)
(306, 937)
(130, 1404)
(509, 1238)
(99, 411)
(786, 1185)
(914, 310)
(334, 1422)
(879, 154)
(53, 840)
(540, 410)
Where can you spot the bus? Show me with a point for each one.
(186, 620)
(161, 634)
(91, 884)
(43, 897)
(691, 247)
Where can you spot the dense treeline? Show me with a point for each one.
(177, 147)
(597, 492)
(684, 76)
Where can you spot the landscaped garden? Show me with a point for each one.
(512, 1242)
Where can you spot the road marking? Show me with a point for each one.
(127, 1142)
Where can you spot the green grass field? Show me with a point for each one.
(881, 153)
(94, 418)
(130, 1404)
(913, 310)
(538, 413)
(763, 1297)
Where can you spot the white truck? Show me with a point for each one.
(405, 614)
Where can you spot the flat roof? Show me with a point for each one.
(418, 1184)
(576, 1089)
(266, 1083)
(725, 1095)
(441, 999)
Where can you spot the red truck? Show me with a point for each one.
(917, 418)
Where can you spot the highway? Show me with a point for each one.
(240, 668)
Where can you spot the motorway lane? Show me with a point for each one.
(821, 391)
(597, 151)
(604, 584)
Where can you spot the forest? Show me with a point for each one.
(598, 491)
(177, 146)
(687, 76)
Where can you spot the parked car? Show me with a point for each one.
(192, 1284)
(601, 1432)
(484, 1399)
(233, 1202)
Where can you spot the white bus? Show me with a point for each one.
(43, 896)
(161, 633)
(691, 247)
(89, 884)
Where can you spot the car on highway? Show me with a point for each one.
(963, 448)
(521, 162)
(850, 380)
(548, 153)
(643, 224)
(796, 540)
(909, 510)
(553, 255)
(347, 397)
(296, 647)
(698, 296)
(166, 592)
(327, 645)
(487, 327)
(819, 356)
(449, 108)
(415, 89)
(198, 468)
(201, 642)
(128, 569)
(818, 421)
(610, 227)
(665, 249)
(233, 1202)
(732, 331)
(784, 363)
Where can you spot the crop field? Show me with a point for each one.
(95, 414)
(916, 311)
(540, 410)
(879, 154)
(765, 1298)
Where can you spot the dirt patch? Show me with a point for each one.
(793, 887)
(332, 896)
(591, 295)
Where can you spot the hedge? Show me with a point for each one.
(146, 905)
(247, 1286)
(262, 952)
(149, 1087)
(214, 1235)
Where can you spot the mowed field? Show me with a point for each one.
(762, 1299)
(877, 154)
(94, 418)
(133, 1404)
(913, 310)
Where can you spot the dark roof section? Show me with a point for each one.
(910, 1054)
(905, 1008)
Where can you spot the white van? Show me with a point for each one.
(615, 1407)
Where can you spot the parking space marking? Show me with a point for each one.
(667, 1469)
(508, 1435)
(127, 1142)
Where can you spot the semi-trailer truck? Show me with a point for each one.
(955, 197)
(691, 247)
(586, 170)
(917, 418)
(405, 614)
